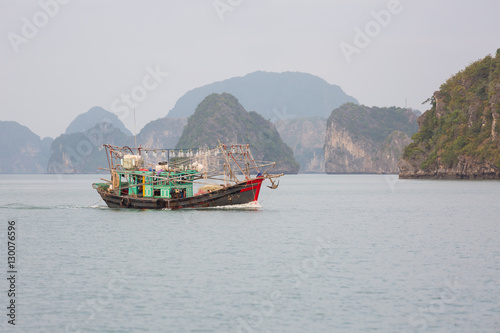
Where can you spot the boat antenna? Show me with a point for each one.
(135, 130)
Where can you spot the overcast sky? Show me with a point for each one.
(60, 61)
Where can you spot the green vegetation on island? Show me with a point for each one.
(373, 123)
(459, 136)
(220, 117)
(361, 139)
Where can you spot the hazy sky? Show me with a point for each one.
(60, 61)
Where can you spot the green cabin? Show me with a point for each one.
(167, 184)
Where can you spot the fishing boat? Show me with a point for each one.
(143, 178)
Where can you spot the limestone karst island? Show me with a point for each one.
(299, 120)
(458, 137)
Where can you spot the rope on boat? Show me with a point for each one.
(95, 203)
(267, 196)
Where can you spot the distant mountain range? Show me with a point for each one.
(290, 100)
(89, 119)
(21, 150)
(286, 110)
(83, 152)
(275, 96)
(459, 137)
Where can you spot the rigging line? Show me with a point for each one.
(95, 203)
(267, 196)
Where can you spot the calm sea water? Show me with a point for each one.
(323, 253)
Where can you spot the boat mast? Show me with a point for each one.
(135, 130)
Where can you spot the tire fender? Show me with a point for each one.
(160, 203)
(125, 202)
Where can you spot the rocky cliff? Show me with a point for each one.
(306, 137)
(297, 103)
(83, 152)
(80, 149)
(161, 133)
(220, 117)
(361, 139)
(21, 150)
(458, 137)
